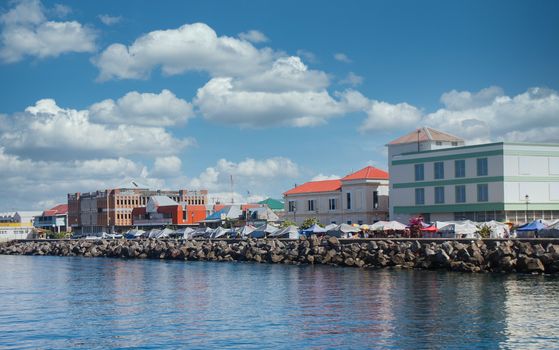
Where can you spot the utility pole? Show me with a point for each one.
(232, 193)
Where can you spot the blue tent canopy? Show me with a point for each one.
(535, 225)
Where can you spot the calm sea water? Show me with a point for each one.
(61, 302)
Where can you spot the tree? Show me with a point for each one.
(484, 230)
(309, 222)
(287, 223)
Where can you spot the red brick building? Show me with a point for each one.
(162, 211)
(111, 209)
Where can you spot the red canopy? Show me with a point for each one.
(431, 228)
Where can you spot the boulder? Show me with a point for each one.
(527, 264)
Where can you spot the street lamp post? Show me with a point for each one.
(526, 201)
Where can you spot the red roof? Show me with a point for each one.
(316, 186)
(60, 209)
(250, 206)
(218, 207)
(368, 173)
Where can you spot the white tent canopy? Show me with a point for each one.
(219, 232)
(343, 230)
(287, 232)
(387, 225)
(452, 229)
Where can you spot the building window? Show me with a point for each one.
(291, 206)
(419, 196)
(482, 167)
(311, 204)
(375, 199)
(439, 195)
(348, 222)
(332, 204)
(438, 143)
(419, 172)
(359, 222)
(460, 194)
(482, 192)
(454, 143)
(348, 199)
(460, 168)
(439, 170)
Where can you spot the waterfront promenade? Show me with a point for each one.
(466, 255)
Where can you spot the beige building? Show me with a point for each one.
(358, 198)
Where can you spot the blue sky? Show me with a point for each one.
(185, 94)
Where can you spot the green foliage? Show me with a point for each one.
(309, 222)
(484, 230)
(57, 235)
(287, 223)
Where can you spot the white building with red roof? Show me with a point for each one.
(358, 198)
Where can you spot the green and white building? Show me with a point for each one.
(434, 174)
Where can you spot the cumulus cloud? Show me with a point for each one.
(254, 36)
(386, 116)
(342, 57)
(219, 100)
(483, 116)
(167, 166)
(109, 20)
(39, 184)
(163, 109)
(192, 47)
(46, 130)
(25, 31)
(491, 115)
(252, 178)
(352, 79)
(461, 100)
(286, 74)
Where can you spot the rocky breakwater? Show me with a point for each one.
(474, 256)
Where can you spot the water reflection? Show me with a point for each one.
(105, 303)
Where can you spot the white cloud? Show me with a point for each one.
(342, 57)
(27, 32)
(109, 20)
(61, 10)
(163, 109)
(192, 47)
(251, 178)
(286, 74)
(491, 115)
(461, 100)
(167, 166)
(254, 36)
(39, 184)
(219, 100)
(483, 116)
(46, 130)
(322, 177)
(307, 55)
(383, 116)
(352, 79)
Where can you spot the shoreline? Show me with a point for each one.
(531, 255)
